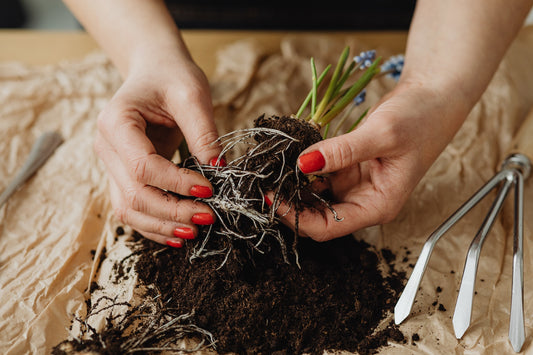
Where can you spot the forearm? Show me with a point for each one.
(134, 33)
(457, 45)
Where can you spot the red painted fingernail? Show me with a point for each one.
(267, 200)
(184, 233)
(202, 219)
(311, 162)
(201, 191)
(174, 243)
(216, 162)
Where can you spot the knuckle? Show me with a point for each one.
(342, 152)
(176, 213)
(178, 181)
(204, 141)
(139, 168)
(131, 195)
(392, 133)
(157, 226)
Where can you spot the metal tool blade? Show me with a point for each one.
(41, 150)
(463, 306)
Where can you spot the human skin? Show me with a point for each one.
(164, 96)
(454, 48)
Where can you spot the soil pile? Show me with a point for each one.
(335, 301)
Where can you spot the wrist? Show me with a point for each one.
(155, 55)
(448, 93)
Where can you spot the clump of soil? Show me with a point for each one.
(268, 165)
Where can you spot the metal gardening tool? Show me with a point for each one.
(515, 168)
(40, 152)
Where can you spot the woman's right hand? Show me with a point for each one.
(139, 131)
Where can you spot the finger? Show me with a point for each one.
(152, 201)
(164, 229)
(368, 142)
(144, 165)
(321, 224)
(197, 123)
(171, 242)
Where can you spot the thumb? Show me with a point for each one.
(340, 152)
(198, 127)
(201, 139)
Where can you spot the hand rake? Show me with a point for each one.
(515, 168)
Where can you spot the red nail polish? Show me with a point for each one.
(216, 162)
(183, 233)
(267, 200)
(202, 219)
(311, 162)
(174, 243)
(201, 191)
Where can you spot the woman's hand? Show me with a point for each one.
(454, 48)
(164, 95)
(140, 129)
(373, 169)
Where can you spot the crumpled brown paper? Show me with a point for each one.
(49, 227)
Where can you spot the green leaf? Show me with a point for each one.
(352, 127)
(332, 85)
(326, 130)
(308, 98)
(313, 97)
(352, 92)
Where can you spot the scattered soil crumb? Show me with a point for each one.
(388, 255)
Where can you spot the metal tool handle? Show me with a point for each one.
(523, 142)
(40, 152)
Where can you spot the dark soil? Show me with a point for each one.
(304, 133)
(263, 305)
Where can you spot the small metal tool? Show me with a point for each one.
(40, 152)
(515, 168)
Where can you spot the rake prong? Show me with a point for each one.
(463, 306)
(517, 334)
(406, 300)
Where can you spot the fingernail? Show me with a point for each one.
(202, 219)
(201, 191)
(218, 162)
(311, 162)
(174, 243)
(267, 200)
(184, 233)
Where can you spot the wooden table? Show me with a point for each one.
(45, 47)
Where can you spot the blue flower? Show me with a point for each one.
(394, 66)
(359, 99)
(365, 59)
